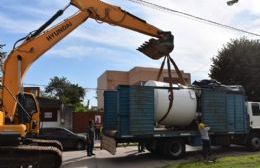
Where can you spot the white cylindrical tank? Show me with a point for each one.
(183, 110)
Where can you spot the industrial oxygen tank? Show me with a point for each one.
(183, 110)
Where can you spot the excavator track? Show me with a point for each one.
(42, 142)
(25, 156)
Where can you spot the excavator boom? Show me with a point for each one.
(154, 48)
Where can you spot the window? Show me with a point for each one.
(255, 109)
(48, 132)
(30, 105)
(62, 132)
(49, 114)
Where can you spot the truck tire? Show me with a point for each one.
(174, 149)
(159, 148)
(156, 148)
(253, 142)
(150, 147)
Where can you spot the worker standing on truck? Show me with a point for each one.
(90, 138)
(204, 132)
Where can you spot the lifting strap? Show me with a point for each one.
(170, 90)
(182, 81)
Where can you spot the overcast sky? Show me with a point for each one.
(93, 48)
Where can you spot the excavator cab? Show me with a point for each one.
(26, 120)
(28, 112)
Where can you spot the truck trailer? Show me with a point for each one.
(139, 114)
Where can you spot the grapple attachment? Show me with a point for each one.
(157, 48)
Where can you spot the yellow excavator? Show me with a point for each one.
(20, 114)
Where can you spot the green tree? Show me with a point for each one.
(2, 54)
(64, 90)
(238, 63)
(79, 107)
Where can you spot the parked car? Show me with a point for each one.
(68, 139)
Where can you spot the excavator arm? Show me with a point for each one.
(37, 43)
(114, 15)
(22, 57)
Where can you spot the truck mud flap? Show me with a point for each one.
(109, 144)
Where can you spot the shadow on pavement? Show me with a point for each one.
(141, 160)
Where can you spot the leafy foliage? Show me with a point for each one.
(64, 90)
(238, 63)
(2, 54)
(79, 107)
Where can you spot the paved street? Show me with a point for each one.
(128, 157)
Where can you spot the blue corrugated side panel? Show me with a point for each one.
(213, 105)
(141, 110)
(231, 111)
(123, 110)
(224, 112)
(110, 110)
(236, 114)
(240, 114)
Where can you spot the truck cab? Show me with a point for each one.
(253, 110)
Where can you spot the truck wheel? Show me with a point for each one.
(160, 148)
(174, 149)
(149, 147)
(253, 142)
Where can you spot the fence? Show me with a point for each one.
(80, 120)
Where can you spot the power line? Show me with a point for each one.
(190, 16)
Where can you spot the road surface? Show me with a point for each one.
(128, 157)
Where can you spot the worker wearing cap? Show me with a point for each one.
(204, 132)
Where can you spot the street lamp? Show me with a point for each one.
(231, 2)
